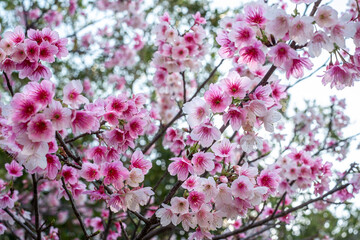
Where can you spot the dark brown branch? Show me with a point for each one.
(66, 149)
(8, 84)
(82, 135)
(141, 217)
(36, 207)
(184, 85)
(158, 231)
(31, 233)
(108, 225)
(75, 210)
(123, 230)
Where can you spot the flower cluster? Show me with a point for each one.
(27, 54)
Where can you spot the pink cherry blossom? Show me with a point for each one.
(180, 167)
(241, 34)
(14, 169)
(223, 148)
(115, 173)
(72, 94)
(82, 122)
(242, 187)
(53, 166)
(281, 53)
(59, 116)
(47, 52)
(40, 129)
(90, 171)
(197, 111)
(236, 86)
(23, 108)
(196, 200)
(32, 50)
(179, 205)
(138, 161)
(216, 98)
(205, 133)
(202, 161)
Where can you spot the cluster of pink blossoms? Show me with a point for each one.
(262, 31)
(26, 54)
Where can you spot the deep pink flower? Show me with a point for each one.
(7, 65)
(236, 116)
(49, 35)
(227, 49)
(83, 121)
(180, 167)
(135, 126)
(14, 169)
(61, 45)
(53, 166)
(90, 172)
(280, 53)
(205, 133)
(241, 34)
(32, 50)
(236, 86)
(47, 52)
(269, 179)
(252, 54)
(196, 200)
(41, 93)
(26, 68)
(295, 67)
(117, 104)
(97, 153)
(203, 161)
(35, 35)
(217, 99)
(40, 72)
(40, 129)
(115, 173)
(138, 161)
(69, 174)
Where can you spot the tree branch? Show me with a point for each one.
(32, 234)
(36, 207)
(8, 84)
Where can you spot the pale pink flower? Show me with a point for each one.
(236, 86)
(196, 200)
(138, 161)
(281, 53)
(326, 16)
(7, 45)
(272, 116)
(223, 148)
(61, 45)
(2, 55)
(187, 220)
(227, 49)
(136, 177)
(278, 23)
(32, 154)
(72, 94)
(166, 215)
(341, 30)
(179, 52)
(197, 111)
(205, 133)
(49, 35)
(97, 224)
(319, 41)
(190, 183)
(180, 167)
(216, 98)
(203, 161)
(204, 216)
(17, 36)
(40, 129)
(224, 195)
(241, 34)
(242, 187)
(179, 205)
(248, 142)
(115, 173)
(19, 54)
(301, 29)
(208, 187)
(14, 169)
(135, 198)
(59, 116)
(6, 201)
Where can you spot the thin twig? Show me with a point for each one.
(32, 234)
(9, 84)
(36, 207)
